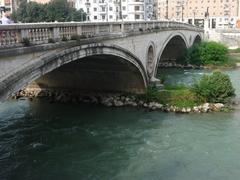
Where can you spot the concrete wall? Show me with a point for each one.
(230, 38)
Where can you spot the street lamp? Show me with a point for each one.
(182, 11)
(166, 9)
(194, 14)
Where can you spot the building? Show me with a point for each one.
(220, 13)
(116, 10)
(5, 5)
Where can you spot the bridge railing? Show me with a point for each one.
(14, 35)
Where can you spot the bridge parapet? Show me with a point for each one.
(39, 33)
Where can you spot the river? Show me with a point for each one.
(42, 141)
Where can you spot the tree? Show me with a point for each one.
(206, 53)
(56, 10)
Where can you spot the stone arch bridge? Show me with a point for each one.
(116, 56)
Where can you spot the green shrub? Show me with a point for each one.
(214, 88)
(193, 56)
(75, 37)
(151, 94)
(207, 53)
(26, 42)
(51, 40)
(64, 38)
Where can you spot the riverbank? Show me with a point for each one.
(232, 62)
(123, 100)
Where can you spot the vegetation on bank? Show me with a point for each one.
(180, 96)
(214, 88)
(211, 54)
(55, 10)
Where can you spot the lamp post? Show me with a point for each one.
(182, 11)
(206, 22)
(166, 9)
(194, 14)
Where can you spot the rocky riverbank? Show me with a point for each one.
(173, 64)
(114, 100)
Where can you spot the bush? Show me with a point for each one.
(151, 94)
(75, 37)
(51, 40)
(26, 42)
(207, 53)
(64, 38)
(214, 88)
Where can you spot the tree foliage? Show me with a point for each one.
(214, 88)
(206, 53)
(55, 10)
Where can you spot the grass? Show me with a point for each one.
(180, 96)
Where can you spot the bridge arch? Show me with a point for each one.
(50, 62)
(173, 48)
(197, 39)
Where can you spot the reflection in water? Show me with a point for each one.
(46, 141)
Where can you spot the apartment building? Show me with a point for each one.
(220, 13)
(116, 10)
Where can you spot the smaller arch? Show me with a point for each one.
(197, 39)
(172, 50)
(150, 59)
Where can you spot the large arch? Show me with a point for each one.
(46, 64)
(172, 49)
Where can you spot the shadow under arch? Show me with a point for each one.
(172, 51)
(119, 57)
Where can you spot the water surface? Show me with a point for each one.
(42, 141)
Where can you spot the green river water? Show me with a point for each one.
(42, 141)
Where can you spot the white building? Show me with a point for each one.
(116, 10)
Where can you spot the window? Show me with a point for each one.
(110, 8)
(137, 16)
(136, 8)
(95, 17)
(95, 9)
(124, 8)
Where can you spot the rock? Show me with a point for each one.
(118, 103)
(219, 105)
(145, 105)
(158, 106)
(205, 107)
(184, 110)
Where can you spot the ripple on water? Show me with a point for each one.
(57, 141)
